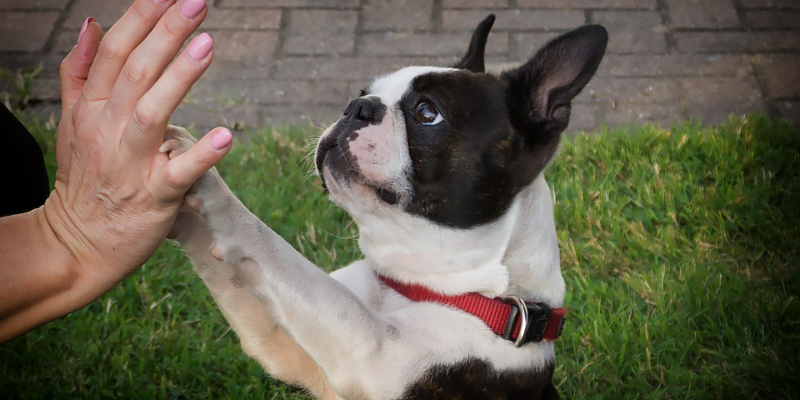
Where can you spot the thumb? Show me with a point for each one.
(186, 168)
(75, 67)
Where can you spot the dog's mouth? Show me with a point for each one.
(332, 153)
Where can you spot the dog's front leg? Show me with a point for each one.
(261, 337)
(319, 313)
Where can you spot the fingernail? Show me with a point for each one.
(221, 139)
(83, 29)
(192, 8)
(200, 47)
(160, 1)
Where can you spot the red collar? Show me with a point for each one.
(542, 322)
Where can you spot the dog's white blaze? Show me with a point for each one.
(392, 87)
(382, 154)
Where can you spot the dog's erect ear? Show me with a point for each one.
(474, 61)
(540, 91)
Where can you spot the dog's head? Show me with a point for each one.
(455, 146)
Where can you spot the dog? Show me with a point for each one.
(442, 171)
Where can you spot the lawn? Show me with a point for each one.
(679, 246)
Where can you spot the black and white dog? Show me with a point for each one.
(441, 168)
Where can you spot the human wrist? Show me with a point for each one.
(93, 270)
(41, 280)
(66, 268)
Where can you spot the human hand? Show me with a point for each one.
(116, 196)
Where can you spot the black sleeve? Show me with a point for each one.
(23, 176)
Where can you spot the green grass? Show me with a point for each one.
(679, 248)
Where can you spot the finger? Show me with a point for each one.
(118, 44)
(147, 62)
(182, 171)
(75, 67)
(153, 110)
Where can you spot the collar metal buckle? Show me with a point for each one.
(521, 310)
(533, 320)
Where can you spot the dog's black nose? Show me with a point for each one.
(362, 108)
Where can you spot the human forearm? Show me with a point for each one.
(41, 280)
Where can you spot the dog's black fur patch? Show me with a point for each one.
(498, 133)
(475, 379)
(462, 168)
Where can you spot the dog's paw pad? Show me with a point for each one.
(195, 202)
(173, 148)
(216, 252)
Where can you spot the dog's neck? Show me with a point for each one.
(516, 254)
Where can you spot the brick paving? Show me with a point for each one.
(295, 61)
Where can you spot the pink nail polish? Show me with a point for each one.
(200, 47)
(192, 8)
(83, 29)
(221, 139)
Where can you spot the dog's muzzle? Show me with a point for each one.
(333, 149)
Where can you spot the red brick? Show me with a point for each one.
(26, 31)
(780, 74)
(245, 45)
(350, 68)
(636, 42)
(588, 4)
(473, 4)
(737, 42)
(621, 115)
(772, 19)
(427, 44)
(32, 5)
(703, 14)
(583, 117)
(50, 63)
(398, 14)
(713, 99)
(65, 41)
(635, 65)
(633, 31)
(321, 32)
(249, 68)
(204, 117)
(271, 92)
(514, 19)
(527, 44)
(317, 116)
(769, 3)
(242, 54)
(106, 12)
(629, 20)
(289, 3)
(631, 91)
(242, 19)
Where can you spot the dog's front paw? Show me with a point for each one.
(176, 141)
(211, 202)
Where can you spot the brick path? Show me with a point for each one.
(298, 60)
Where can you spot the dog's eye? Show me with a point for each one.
(427, 114)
